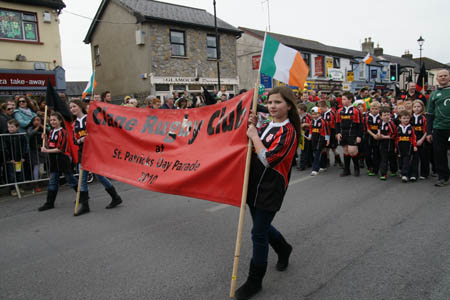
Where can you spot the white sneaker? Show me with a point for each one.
(404, 179)
(322, 169)
(422, 178)
(314, 173)
(412, 178)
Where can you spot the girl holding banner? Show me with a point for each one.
(275, 145)
(78, 110)
(56, 147)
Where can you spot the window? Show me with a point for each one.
(211, 46)
(177, 43)
(362, 69)
(179, 87)
(16, 25)
(336, 62)
(97, 55)
(307, 59)
(162, 87)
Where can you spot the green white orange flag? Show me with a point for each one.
(283, 63)
(368, 59)
(90, 86)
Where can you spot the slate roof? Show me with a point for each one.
(75, 88)
(166, 12)
(57, 4)
(431, 64)
(317, 47)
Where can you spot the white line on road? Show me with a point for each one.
(222, 206)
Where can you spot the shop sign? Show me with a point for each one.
(329, 63)
(18, 80)
(192, 80)
(318, 66)
(336, 74)
(266, 81)
(256, 59)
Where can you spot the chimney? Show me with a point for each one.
(378, 51)
(407, 55)
(367, 46)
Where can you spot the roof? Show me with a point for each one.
(150, 10)
(431, 64)
(57, 4)
(317, 47)
(75, 88)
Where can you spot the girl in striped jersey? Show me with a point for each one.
(60, 161)
(77, 109)
(275, 145)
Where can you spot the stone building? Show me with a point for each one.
(142, 47)
(30, 47)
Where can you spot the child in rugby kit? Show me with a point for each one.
(372, 125)
(419, 123)
(349, 132)
(320, 137)
(388, 135)
(306, 156)
(406, 146)
(330, 117)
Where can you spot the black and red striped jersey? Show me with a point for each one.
(320, 132)
(373, 123)
(419, 123)
(406, 139)
(269, 180)
(57, 139)
(389, 129)
(330, 117)
(349, 121)
(79, 128)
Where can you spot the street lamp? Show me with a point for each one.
(420, 41)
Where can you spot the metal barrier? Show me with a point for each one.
(21, 161)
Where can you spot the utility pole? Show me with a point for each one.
(217, 46)
(268, 14)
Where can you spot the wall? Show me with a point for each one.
(121, 60)
(246, 47)
(47, 50)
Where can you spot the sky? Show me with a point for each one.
(393, 24)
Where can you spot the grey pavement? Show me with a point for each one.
(353, 239)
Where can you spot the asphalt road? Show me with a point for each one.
(353, 239)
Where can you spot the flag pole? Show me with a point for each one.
(45, 125)
(237, 250)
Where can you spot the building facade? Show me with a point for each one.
(30, 46)
(158, 48)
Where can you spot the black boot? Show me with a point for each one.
(337, 159)
(84, 204)
(283, 249)
(254, 282)
(116, 200)
(50, 203)
(356, 165)
(346, 171)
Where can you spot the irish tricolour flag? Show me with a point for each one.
(89, 87)
(283, 63)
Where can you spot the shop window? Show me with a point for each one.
(177, 43)
(97, 55)
(194, 87)
(17, 25)
(336, 62)
(211, 46)
(179, 87)
(162, 87)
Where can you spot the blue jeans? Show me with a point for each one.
(262, 232)
(53, 184)
(102, 179)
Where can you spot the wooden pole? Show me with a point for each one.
(45, 126)
(237, 251)
(77, 199)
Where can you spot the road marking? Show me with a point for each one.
(300, 180)
(222, 206)
(218, 207)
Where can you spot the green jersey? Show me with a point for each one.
(439, 106)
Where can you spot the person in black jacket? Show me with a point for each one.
(275, 144)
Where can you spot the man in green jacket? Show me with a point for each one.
(438, 125)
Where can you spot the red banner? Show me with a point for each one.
(197, 152)
(256, 60)
(318, 66)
